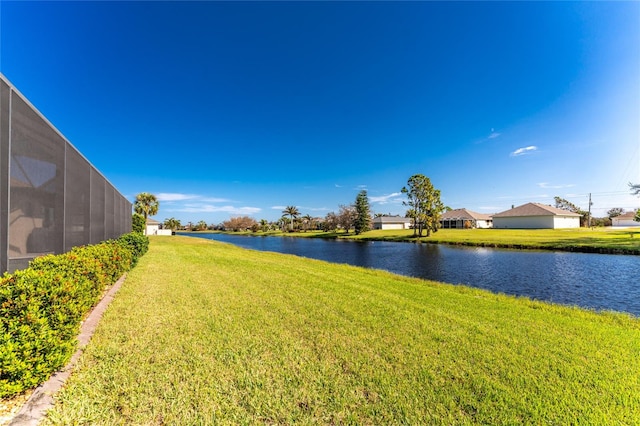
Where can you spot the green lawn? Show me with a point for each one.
(208, 333)
(607, 240)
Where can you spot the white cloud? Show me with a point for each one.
(546, 185)
(491, 135)
(174, 196)
(338, 186)
(523, 197)
(523, 151)
(385, 199)
(214, 200)
(208, 208)
(315, 209)
(171, 196)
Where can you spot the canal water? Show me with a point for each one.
(595, 281)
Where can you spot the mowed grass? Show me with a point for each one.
(607, 240)
(579, 238)
(207, 333)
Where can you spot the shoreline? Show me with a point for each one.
(474, 239)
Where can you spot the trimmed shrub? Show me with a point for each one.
(137, 243)
(35, 340)
(138, 223)
(42, 307)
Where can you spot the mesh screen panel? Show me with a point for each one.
(36, 184)
(97, 208)
(51, 197)
(4, 172)
(126, 216)
(77, 200)
(109, 222)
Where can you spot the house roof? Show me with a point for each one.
(535, 209)
(391, 219)
(626, 216)
(152, 221)
(464, 214)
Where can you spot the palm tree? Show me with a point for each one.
(293, 212)
(147, 205)
(307, 220)
(172, 224)
(282, 223)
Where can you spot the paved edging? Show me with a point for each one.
(34, 410)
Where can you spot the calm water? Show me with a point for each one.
(596, 281)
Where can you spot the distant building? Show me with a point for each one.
(155, 228)
(51, 197)
(536, 216)
(625, 219)
(463, 218)
(391, 222)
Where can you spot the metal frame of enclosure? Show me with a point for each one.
(51, 197)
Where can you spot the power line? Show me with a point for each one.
(632, 158)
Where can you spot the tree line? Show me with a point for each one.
(423, 201)
(425, 208)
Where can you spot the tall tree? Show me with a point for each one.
(615, 212)
(363, 215)
(330, 222)
(172, 223)
(346, 217)
(307, 221)
(284, 223)
(293, 212)
(424, 204)
(147, 205)
(236, 224)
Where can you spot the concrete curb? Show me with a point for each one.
(34, 410)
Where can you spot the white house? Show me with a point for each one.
(536, 216)
(463, 218)
(155, 228)
(391, 222)
(625, 219)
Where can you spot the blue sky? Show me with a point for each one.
(241, 108)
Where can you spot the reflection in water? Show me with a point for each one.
(596, 281)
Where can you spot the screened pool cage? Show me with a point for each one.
(51, 197)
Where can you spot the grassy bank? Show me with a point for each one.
(598, 240)
(208, 333)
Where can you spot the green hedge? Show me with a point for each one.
(137, 243)
(41, 307)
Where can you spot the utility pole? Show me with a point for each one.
(590, 210)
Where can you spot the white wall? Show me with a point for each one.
(561, 222)
(394, 226)
(154, 230)
(483, 224)
(624, 222)
(523, 222)
(536, 222)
